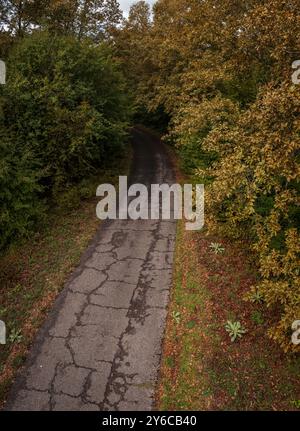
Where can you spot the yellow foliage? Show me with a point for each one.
(222, 71)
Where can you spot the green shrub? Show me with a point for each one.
(20, 205)
(65, 116)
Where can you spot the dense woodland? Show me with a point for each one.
(215, 76)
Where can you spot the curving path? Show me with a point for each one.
(100, 348)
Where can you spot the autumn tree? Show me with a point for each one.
(130, 42)
(222, 70)
(19, 16)
(83, 18)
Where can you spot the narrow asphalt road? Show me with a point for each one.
(100, 348)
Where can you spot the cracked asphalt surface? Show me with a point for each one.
(100, 348)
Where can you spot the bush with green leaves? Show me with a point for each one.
(64, 116)
(20, 202)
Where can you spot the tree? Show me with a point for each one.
(19, 16)
(64, 115)
(130, 41)
(222, 71)
(83, 18)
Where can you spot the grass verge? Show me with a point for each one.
(202, 369)
(33, 272)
